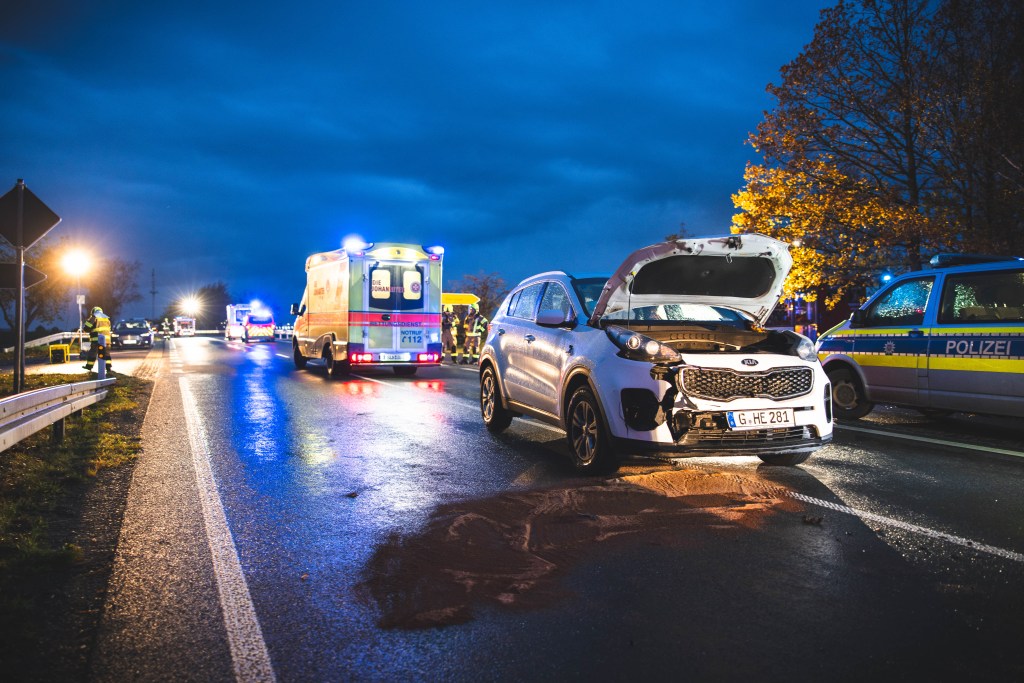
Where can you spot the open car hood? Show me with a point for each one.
(743, 272)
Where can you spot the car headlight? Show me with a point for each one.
(804, 347)
(636, 346)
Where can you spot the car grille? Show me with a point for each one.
(726, 440)
(720, 384)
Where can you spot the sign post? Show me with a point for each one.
(24, 220)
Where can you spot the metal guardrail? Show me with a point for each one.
(25, 414)
(43, 341)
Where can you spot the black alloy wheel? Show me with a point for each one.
(587, 435)
(496, 417)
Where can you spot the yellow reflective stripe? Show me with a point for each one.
(976, 364)
(890, 361)
(960, 331)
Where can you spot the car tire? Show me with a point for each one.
(496, 417)
(784, 459)
(335, 368)
(587, 434)
(405, 370)
(297, 357)
(848, 399)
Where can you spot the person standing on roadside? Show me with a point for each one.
(98, 327)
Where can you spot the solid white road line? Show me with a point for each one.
(925, 439)
(249, 654)
(906, 526)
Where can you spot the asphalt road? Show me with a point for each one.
(282, 525)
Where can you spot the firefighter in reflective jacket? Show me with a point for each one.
(98, 327)
(476, 325)
(449, 329)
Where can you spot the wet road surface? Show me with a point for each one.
(285, 525)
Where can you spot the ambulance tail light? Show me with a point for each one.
(428, 358)
(361, 358)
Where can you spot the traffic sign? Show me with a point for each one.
(36, 218)
(9, 276)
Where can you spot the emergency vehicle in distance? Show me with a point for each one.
(249, 322)
(376, 305)
(184, 326)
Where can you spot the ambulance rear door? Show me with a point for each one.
(396, 306)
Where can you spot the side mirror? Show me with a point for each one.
(858, 318)
(553, 318)
(296, 310)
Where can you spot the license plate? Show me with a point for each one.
(130, 341)
(761, 419)
(395, 357)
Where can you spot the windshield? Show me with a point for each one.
(699, 313)
(589, 291)
(133, 325)
(260, 320)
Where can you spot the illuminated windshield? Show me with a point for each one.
(700, 313)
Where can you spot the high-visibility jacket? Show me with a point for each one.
(97, 324)
(473, 325)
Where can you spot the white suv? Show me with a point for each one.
(669, 354)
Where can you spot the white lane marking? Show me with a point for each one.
(925, 439)
(249, 654)
(282, 355)
(906, 526)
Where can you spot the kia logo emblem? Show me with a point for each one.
(749, 361)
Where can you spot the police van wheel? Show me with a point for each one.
(496, 417)
(300, 360)
(591, 449)
(848, 400)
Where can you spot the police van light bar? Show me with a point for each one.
(437, 251)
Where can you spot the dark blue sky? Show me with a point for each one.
(230, 143)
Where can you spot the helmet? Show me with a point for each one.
(447, 309)
(96, 309)
(472, 310)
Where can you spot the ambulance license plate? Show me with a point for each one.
(761, 419)
(399, 357)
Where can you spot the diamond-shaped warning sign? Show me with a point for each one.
(36, 218)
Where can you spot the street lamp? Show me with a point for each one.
(76, 263)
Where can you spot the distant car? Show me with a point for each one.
(669, 354)
(136, 333)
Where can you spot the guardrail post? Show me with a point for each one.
(58, 431)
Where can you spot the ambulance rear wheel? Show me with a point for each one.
(300, 360)
(335, 368)
(848, 399)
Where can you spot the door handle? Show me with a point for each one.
(915, 333)
(530, 338)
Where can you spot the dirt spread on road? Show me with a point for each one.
(512, 550)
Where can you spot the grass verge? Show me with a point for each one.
(48, 539)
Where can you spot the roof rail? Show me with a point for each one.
(949, 260)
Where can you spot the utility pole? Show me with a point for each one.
(152, 291)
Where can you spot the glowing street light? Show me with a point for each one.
(76, 263)
(191, 305)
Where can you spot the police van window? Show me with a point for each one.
(988, 297)
(396, 287)
(526, 304)
(904, 304)
(555, 299)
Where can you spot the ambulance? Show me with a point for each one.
(370, 305)
(249, 322)
(184, 326)
(941, 340)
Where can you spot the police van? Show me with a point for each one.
(942, 340)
